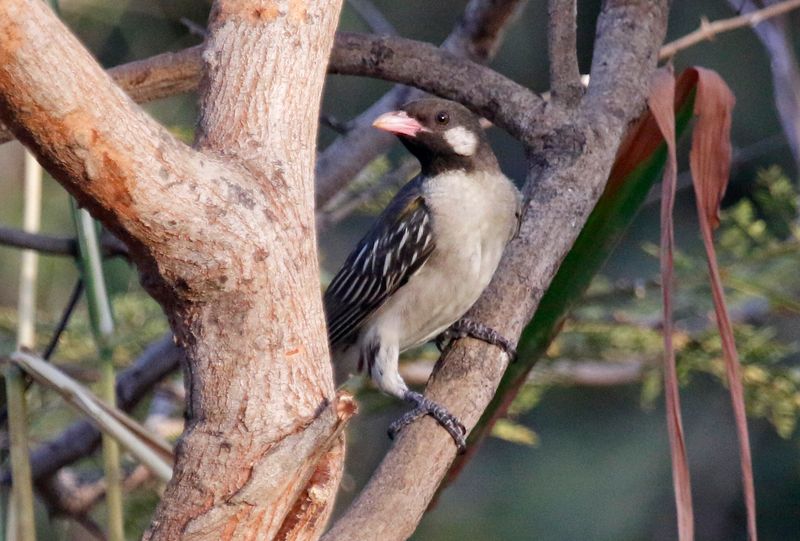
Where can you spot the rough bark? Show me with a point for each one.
(223, 237)
(568, 169)
(565, 78)
(216, 230)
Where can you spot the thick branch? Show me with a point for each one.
(476, 37)
(224, 238)
(568, 170)
(354, 54)
(114, 159)
(565, 79)
(152, 78)
(509, 105)
(261, 402)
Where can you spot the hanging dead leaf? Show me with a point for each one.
(661, 102)
(710, 165)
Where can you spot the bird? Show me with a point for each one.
(428, 256)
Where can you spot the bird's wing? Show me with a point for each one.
(394, 249)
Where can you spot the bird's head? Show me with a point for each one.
(442, 134)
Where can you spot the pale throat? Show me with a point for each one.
(463, 141)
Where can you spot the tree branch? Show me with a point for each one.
(373, 17)
(785, 74)
(565, 78)
(507, 104)
(114, 159)
(17, 238)
(149, 79)
(708, 30)
(171, 73)
(568, 169)
(262, 405)
(211, 231)
(47, 244)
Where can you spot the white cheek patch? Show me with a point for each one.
(461, 140)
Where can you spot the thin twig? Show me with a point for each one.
(52, 245)
(774, 36)
(565, 79)
(708, 30)
(69, 309)
(340, 209)
(194, 28)
(563, 372)
(373, 17)
(45, 244)
(335, 124)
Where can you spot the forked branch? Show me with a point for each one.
(568, 180)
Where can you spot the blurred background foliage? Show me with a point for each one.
(584, 453)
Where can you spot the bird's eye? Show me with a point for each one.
(442, 117)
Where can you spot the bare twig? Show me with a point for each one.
(708, 30)
(564, 372)
(371, 15)
(565, 79)
(339, 210)
(35, 241)
(194, 28)
(330, 121)
(74, 297)
(48, 244)
(785, 74)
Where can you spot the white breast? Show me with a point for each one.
(474, 218)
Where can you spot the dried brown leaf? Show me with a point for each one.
(661, 104)
(710, 158)
(710, 166)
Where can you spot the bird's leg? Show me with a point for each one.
(425, 406)
(469, 327)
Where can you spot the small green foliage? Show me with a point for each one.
(507, 430)
(759, 251)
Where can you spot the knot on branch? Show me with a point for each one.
(560, 146)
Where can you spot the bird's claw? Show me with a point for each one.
(425, 406)
(469, 327)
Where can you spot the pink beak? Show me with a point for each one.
(398, 122)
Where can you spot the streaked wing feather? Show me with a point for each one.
(396, 247)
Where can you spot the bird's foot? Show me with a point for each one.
(424, 406)
(469, 327)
